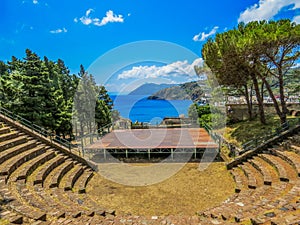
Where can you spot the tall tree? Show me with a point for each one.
(277, 44)
(226, 59)
(260, 51)
(31, 105)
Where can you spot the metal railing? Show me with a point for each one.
(216, 137)
(38, 129)
(273, 133)
(96, 135)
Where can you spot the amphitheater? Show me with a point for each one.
(42, 182)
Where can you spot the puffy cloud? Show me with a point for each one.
(35, 2)
(203, 36)
(176, 69)
(63, 30)
(110, 17)
(297, 19)
(266, 9)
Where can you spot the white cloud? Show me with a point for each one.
(176, 69)
(63, 30)
(88, 12)
(35, 2)
(266, 9)
(110, 17)
(203, 36)
(297, 19)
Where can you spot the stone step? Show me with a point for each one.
(239, 179)
(13, 142)
(9, 136)
(263, 170)
(47, 168)
(11, 152)
(88, 206)
(56, 201)
(81, 183)
(277, 165)
(60, 172)
(4, 130)
(11, 217)
(77, 208)
(34, 202)
(35, 163)
(43, 223)
(292, 158)
(13, 204)
(262, 199)
(296, 148)
(252, 182)
(11, 165)
(72, 176)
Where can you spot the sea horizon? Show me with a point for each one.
(140, 108)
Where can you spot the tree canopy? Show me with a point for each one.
(252, 55)
(42, 91)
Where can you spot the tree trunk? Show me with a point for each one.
(249, 103)
(281, 115)
(262, 91)
(259, 100)
(285, 111)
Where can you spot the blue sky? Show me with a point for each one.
(81, 31)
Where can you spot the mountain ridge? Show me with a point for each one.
(150, 88)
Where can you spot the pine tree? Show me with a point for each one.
(33, 77)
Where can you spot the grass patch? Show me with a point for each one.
(245, 131)
(184, 193)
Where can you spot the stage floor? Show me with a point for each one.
(167, 138)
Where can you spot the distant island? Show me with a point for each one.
(150, 88)
(187, 91)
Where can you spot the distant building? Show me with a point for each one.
(175, 122)
(122, 123)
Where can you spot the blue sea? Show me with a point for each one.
(139, 108)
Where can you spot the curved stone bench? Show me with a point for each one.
(272, 161)
(82, 181)
(14, 205)
(4, 130)
(292, 158)
(72, 176)
(239, 179)
(263, 170)
(11, 165)
(10, 135)
(11, 217)
(252, 183)
(13, 142)
(60, 171)
(34, 202)
(54, 201)
(11, 152)
(35, 163)
(47, 168)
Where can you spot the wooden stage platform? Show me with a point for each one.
(153, 142)
(155, 138)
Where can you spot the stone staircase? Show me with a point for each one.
(267, 191)
(40, 184)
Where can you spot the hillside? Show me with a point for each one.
(190, 90)
(150, 88)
